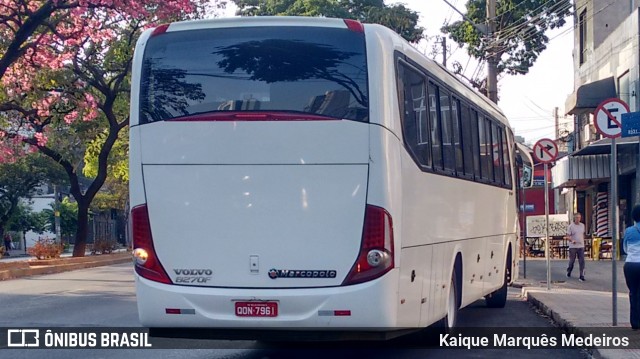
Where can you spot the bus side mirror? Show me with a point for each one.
(527, 177)
(525, 162)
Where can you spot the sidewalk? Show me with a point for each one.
(578, 306)
(18, 266)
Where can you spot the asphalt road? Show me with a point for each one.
(105, 297)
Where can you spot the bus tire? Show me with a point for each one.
(498, 299)
(448, 323)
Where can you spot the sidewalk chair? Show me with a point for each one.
(587, 247)
(535, 247)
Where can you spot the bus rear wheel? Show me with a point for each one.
(498, 299)
(448, 323)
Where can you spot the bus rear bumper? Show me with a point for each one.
(370, 306)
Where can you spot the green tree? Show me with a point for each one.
(82, 106)
(397, 17)
(115, 190)
(25, 220)
(20, 179)
(520, 31)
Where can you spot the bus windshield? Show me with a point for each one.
(313, 70)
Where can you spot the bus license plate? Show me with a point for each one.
(256, 309)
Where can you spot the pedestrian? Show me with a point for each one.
(7, 243)
(631, 244)
(575, 236)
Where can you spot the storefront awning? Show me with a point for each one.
(603, 146)
(588, 96)
(571, 171)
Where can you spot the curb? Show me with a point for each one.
(28, 268)
(558, 320)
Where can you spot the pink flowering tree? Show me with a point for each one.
(65, 69)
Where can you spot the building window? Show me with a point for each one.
(583, 36)
(624, 91)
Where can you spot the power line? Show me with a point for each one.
(504, 43)
(477, 27)
(536, 105)
(534, 110)
(515, 28)
(542, 46)
(451, 12)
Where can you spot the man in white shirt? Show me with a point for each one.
(575, 236)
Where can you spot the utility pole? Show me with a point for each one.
(492, 71)
(444, 51)
(556, 116)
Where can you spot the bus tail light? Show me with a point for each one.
(376, 248)
(146, 261)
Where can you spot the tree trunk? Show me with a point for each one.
(83, 229)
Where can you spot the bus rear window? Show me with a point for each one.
(307, 70)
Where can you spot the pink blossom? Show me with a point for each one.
(91, 22)
(70, 117)
(41, 138)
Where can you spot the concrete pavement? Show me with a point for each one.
(577, 306)
(572, 305)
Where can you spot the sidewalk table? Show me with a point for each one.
(535, 247)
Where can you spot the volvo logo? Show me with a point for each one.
(193, 271)
(294, 273)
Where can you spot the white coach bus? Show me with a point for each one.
(312, 174)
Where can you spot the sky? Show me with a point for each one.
(527, 100)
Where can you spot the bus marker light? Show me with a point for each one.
(179, 311)
(334, 313)
(342, 313)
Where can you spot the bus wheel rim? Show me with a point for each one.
(451, 308)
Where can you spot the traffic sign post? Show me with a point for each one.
(545, 151)
(608, 121)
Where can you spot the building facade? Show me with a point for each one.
(606, 65)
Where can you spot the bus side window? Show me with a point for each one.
(496, 153)
(434, 120)
(414, 113)
(475, 146)
(467, 140)
(457, 143)
(506, 157)
(448, 149)
(485, 149)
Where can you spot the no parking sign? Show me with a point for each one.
(608, 117)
